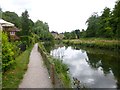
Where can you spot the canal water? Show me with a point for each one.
(94, 68)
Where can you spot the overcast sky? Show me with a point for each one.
(61, 15)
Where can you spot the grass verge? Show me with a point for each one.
(95, 42)
(0, 59)
(13, 77)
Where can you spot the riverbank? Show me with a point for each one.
(57, 70)
(95, 43)
(13, 77)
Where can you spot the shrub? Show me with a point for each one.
(7, 52)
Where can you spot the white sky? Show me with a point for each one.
(61, 15)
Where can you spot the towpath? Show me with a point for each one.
(36, 75)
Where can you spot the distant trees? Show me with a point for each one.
(77, 32)
(107, 25)
(116, 19)
(42, 30)
(100, 26)
(93, 25)
(27, 26)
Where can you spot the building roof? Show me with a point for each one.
(5, 23)
(0, 27)
(53, 32)
(13, 29)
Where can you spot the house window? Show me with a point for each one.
(12, 33)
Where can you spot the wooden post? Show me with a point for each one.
(52, 74)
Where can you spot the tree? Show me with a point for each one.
(116, 20)
(42, 30)
(73, 35)
(31, 24)
(0, 12)
(83, 33)
(25, 23)
(105, 21)
(67, 35)
(93, 25)
(12, 17)
(77, 32)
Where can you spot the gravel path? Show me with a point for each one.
(37, 75)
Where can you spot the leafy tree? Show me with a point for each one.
(12, 17)
(25, 23)
(1, 12)
(83, 33)
(31, 24)
(116, 19)
(93, 25)
(42, 30)
(67, 35)
(77, 32)
(105, 21)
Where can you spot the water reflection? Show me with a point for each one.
(95, 70)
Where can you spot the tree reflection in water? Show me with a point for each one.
(95, 67)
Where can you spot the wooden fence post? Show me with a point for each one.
(52, 74)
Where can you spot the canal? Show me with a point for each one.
(94, 68)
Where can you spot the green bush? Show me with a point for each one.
(7, 52)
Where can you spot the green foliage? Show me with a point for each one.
(25, 23)
(116, 19)
(13, 77)
(12, 17)
(67, 35)
(10, 51)
(77, 32)
(61, 70)
(93, 25)
(105, 26)
(0, 59)
(72, 35)
(7, 53)
(42, 30)
(95, 43)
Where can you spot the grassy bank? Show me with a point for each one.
(0, 59)
(95, 42)
(13, 77)
(61, 77)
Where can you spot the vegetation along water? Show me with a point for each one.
(94, 68)
(86, 58)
